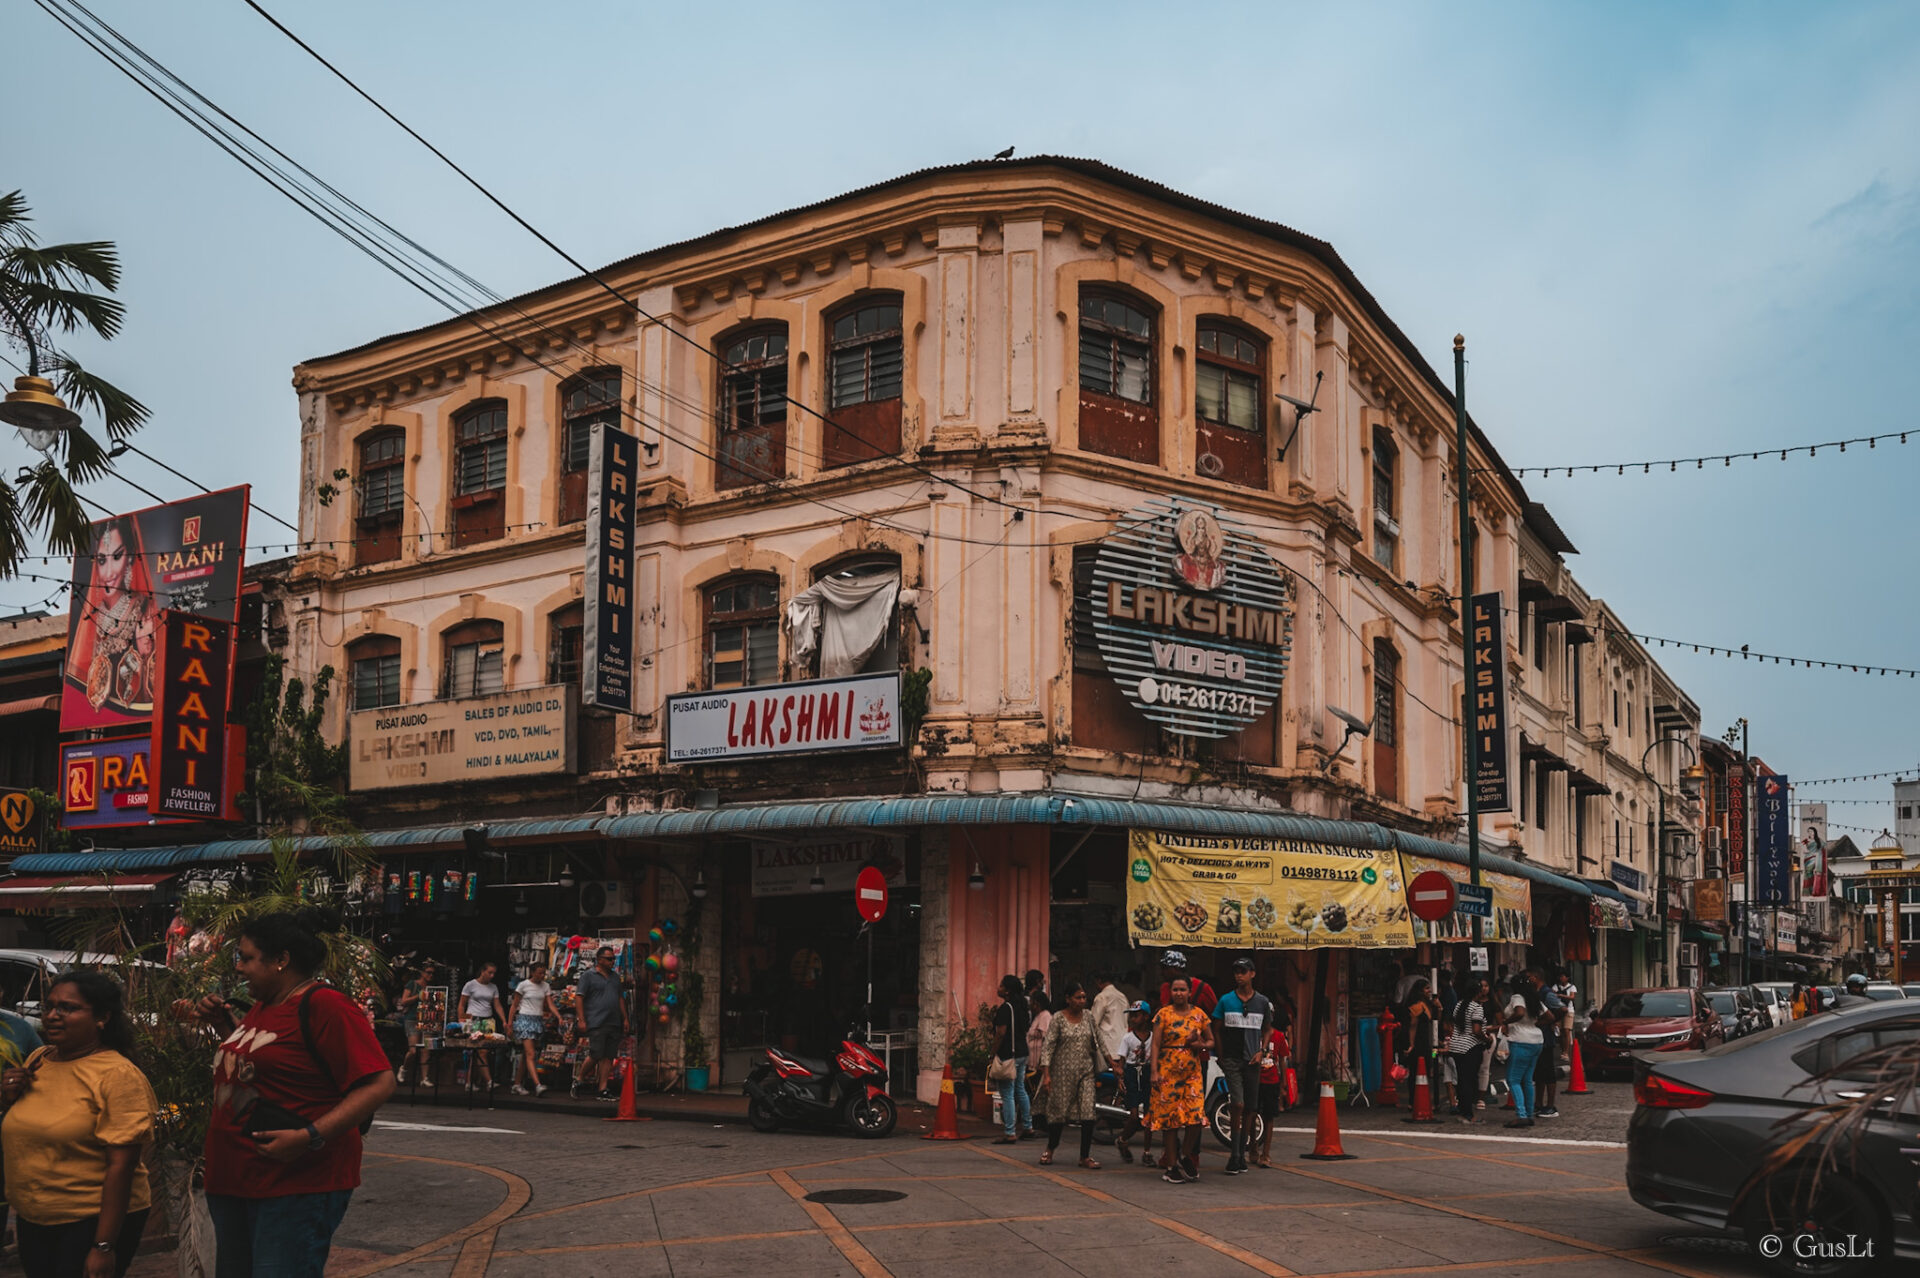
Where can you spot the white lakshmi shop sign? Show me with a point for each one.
(809, 717)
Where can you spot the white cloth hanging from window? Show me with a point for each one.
(845, 618)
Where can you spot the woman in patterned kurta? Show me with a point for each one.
(1177, 1110)
(1069, 1060)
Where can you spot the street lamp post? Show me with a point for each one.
(1660, 844)
(33, 405)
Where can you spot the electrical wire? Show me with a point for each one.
(1673, 464)
(1865, 776)
(574, 262)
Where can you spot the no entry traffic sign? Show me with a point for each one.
(1430, 896)
(870, 895)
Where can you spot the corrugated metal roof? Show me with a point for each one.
(897, 812)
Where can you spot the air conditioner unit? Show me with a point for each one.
(1713, 839)
(1689, 954)
(608, 899)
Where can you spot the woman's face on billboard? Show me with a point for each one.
(112, 561)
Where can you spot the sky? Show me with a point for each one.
(1666, 230)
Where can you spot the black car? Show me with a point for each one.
(1705, 1123)
(1738, 1011)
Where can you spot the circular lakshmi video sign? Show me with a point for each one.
(1193, 618)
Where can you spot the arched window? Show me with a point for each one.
(753, 407)
(743, 632)
(566, 630)
(1230, 404)
(848, 621)
(1386, 500)
(589, 400)
(479, 472)
(1386, 720)
(475, 663)
(866, 371)
(375, 662)
(1118, 416)
(379, 496)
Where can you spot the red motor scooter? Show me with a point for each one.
(850, 1090)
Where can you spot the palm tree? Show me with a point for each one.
(47, 290)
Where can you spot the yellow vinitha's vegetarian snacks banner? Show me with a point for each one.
(1263, 894)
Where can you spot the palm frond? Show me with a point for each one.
(120, 412)
(63, 308)
(15, 216)
(95, 261)
(1878, 1083)
(50, 507)
(13, 543)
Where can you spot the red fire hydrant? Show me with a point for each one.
(1389, 1093)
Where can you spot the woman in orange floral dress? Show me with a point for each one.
(1182, 1035)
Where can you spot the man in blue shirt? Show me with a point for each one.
(1240, 1022)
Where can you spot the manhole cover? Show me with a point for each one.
(855, 1196)
(1712, 1244)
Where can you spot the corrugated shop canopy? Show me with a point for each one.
(899, 812)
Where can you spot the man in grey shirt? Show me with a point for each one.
(601, 1014)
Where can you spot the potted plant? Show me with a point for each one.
(970, 1048)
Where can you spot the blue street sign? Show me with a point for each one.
(1474, 900)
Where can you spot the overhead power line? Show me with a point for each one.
(1865, 776)
(1672, 464)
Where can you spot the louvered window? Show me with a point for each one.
(1116, 348)
(754, 385)
(376, 672)
(475, 661)
(1386, 500)
(480, 434)
(381, 487)
(867, 359)
(1227, 379)
(589, 400)
(743, 633)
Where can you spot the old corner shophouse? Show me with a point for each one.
(969, 377)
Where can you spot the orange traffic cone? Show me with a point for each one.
(1326, 1131)
(946, 1123)
(627, 1112)
(1577, 1079)
(1422, 1093)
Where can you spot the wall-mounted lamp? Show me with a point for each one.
(699, 889)
(520, 903)
(977, 881)
(566, 876)
(818, 883)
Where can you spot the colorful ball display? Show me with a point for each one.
(653, 963)
(669, 926)
(656, 935)
(671, 962)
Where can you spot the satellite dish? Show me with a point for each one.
(1356, 727)
(1301, 409)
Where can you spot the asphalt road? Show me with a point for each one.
(510, 1193)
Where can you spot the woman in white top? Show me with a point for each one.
(532, 1013)
(1524, 1041)
(482, 1004)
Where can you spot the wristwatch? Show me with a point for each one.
(103, 1246)
(314, 1139)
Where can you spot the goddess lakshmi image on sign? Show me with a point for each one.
(111, 652)
(1201, 542)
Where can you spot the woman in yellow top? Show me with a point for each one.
(76, 1117)
(1182, 1034)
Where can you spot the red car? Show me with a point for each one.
(1655, 1020)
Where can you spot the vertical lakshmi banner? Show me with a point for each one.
(1187, 889)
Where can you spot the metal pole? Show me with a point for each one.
(1660, 882)
(1746, 877)
(1472, 754)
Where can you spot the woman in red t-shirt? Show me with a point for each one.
(292, 1082)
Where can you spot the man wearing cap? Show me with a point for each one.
(1240, 1019)
(1174, 963)
(1109, 1018)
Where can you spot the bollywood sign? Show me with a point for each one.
(606, 665)
(1192, 617)
(1512, 918)
(1772, 842)
(1263, 894)
(806, 717)
(528, 732)
(184, 557)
